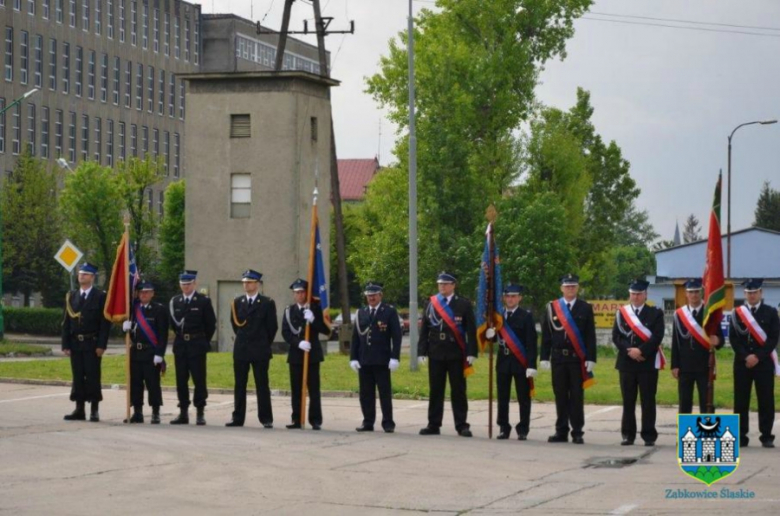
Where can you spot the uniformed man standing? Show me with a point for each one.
(448, 341)
(569, 342)
(253, 316)
(296, 317)
(149, 335)
(194, 322)
(691, 349)
(516, 360)
(753, 335)
(375, 353)
(84, 339)
(637, 334)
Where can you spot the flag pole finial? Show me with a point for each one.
(491, 214)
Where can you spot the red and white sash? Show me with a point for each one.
(643, 332)
(685, 316)
(758, 333)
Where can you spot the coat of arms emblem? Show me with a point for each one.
(707, 448)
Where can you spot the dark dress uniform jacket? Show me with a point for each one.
(438, 342)
(745, 345)
(254, 339)
(687, 354)
(556, 345)
(297, 323)
(382, 338)
(90, 330)
(157, 317)
(653, 319)
(522, 323)
(198, 326)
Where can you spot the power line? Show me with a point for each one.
(701, 29)
(693, 22)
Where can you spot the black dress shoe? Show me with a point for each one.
(649, 443)
(768, 444)
(522, 437)
(578, 440)
(315, 426)
(626, 442)
(76, 415)
(293, 426)
(137, 417)
(503, 434)
(182, 419)
(389, 430)
(465, 433)
(155, 415)
(364, 428)
(200, 419)
(429, 431)
(94, 417)
(555, 438)
(234, 423)
(268, 426)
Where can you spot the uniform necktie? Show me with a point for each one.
(373, 313)
(250, 302)
(636, 311)
(187, 301)
(695, 312)
(753, 310)
(83, 297)
(509, 313)
(568, 305)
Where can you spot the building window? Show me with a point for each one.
(31, 7)
(84, 137)
(16, 141)
(186, 40)
(176, 38)
(53, 64)
(160, 202)
(91, 74)
(181, 100)
(144, 141)
(150, 86)
(38, 61)
(72, 17)
(240, 196)
(167, 35)
(171, 96)
(117, 78)
(9, 54)
(145, 33)
(314, 129)
(134, 22)
(240, 126)
(79, 69)
(134, 140)
(31, 128)
(46, 6)
(161, 94)
(110, 143)
(122, 141)
(167, 150)
(139, 87)
(98, 15)
(175, 154)
(44, 132)
(98, 139)
(110, 19)
(196, 48)
(58, 133)
(122, 21)
(72, 138)
(85, 15)
(156, 39)
(156, 142)
(150, 200)
(2, 125)
(104, 78)
(24, 57)
(128, 83)
(66, 68)
(58, 10)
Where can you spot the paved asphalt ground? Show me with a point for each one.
(49, 466)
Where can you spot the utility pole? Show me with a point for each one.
(321, 25)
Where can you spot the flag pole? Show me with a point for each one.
(490, 315)
(126, 279)
(310, 280)
(714, 291)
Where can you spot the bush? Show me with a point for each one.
(34, 321)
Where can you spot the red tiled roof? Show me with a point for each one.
(354, 175)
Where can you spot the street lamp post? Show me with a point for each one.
(412, 202)
(728, 213)
(2, 319)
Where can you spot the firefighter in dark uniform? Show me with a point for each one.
(84, 340)
(690, 359)
(375, 353)
(440, 348)
(149, 335)
(194, 323)
(508, 366)
(753, 361)
(558, 352)
(296, 317)
(637, 362)
(253, 317)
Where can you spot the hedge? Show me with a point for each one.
(33, 321)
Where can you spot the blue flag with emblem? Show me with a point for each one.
(490, 288)
(320, 287)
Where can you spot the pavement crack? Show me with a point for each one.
(370, 460)
(751, 476)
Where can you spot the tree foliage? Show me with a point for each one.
(691, 229)
(767, 214)
(171, 237)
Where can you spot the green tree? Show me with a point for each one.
(91, 204)
(172, 234)
(691, 230)
(631, 262)
(135, 177)
(477, 64)
(767, 214)
(635, 229)
(31, 232)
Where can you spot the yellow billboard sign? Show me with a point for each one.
(604, 311)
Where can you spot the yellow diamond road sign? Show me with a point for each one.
(68, 255)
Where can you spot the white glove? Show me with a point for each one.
(422, 360)
(355, 365)
(545, 365)
(589, 366)
(158, 359)
(530, 373)
(127, 326)
(490, 333)
(470, 360)
(393, 364)
(304, 345)
(308, 315)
